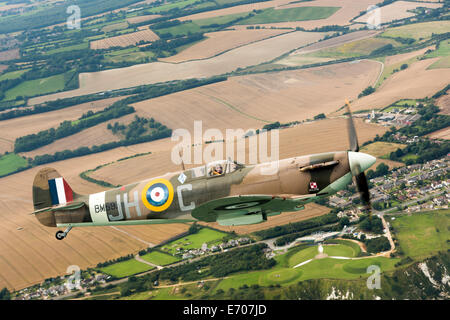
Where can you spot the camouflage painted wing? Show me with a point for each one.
(248, 209)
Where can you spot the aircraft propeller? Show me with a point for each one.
(358, 160)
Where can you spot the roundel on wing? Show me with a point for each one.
(157, 195)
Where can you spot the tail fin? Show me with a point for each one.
(50, 189)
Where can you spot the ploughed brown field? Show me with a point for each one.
(124, 40)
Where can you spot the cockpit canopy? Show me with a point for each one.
(216, 168)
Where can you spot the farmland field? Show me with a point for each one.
(11, 162)
(397, 11)
(379, 148)
(159, 258)
(422, 234)
(219, 42)
(126, 268)
(12, 74)
(418, 31)
(149, 73)
(124, 40)
(415, 82)
(36, 87)
(292, 14)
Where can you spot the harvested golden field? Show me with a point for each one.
(18, 127)
(412, 83)
(398, 10)
(32, 254)
(124, 40)
(392, 60)
(444, 104)
(9, 54)
(440, 134)
(249, 55)
(254, 100)
(311, 210)
(222, 41)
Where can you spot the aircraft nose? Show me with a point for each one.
(360, 162)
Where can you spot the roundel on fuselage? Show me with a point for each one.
(157, 195)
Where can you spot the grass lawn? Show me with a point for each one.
(36, 87)
(195, 241)
(159, 258)
(126, 268)
(11, 162)
(379, 148)
(272, 15)
(423, 234)
(338, 250)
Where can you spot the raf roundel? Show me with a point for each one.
(157, 195)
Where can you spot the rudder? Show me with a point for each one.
(50, 189)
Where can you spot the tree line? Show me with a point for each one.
(297, 226)
(67, 128)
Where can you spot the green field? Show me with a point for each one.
(444, 52)
(423, 234)
(11, 162)
(128, 55)
(36, 87)
(126, 268)
(13, 74)
(353, 49)
(195, 241)
(159, 258)
(272, 15)
(418, 31)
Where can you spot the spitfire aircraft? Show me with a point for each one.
(224, 191)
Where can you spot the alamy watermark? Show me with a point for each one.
(374, 17)
(74, 280)
(374, 280)
(74, 20)
(206, 149)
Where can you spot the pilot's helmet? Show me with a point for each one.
(219, 168)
